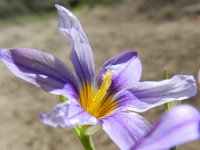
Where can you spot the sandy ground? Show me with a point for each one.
(172, 45)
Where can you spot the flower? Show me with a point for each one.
(109, 101)
(178, 126)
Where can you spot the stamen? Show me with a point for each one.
(104, 87)
(97, 100)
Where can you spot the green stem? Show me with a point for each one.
(174, 148)
(166, 76)
(86, 140)
(166, 106)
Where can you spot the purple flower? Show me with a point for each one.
(177, 126)
(110, 100)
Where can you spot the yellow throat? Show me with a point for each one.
(98, 102)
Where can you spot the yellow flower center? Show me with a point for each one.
(98, 102)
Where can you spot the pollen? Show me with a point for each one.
(98, 102)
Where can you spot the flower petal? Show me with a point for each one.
(83, 62)
(69, 25)
(67, 115)
(146, 95)
(178, 126)
(40, 69)
(125, 128)
(81, 55)
(126, 69)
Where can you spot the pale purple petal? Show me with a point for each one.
(126, 69)
(41, 69)
(70, 26)
(68, 115)
(83, 63)
(176, 127)
(125, 128)
(81, 55)
(146, 95)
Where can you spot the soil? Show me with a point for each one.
(161, 44)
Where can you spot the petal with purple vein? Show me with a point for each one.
(126, 69)
(178, 126)
(146, 95)
(41, 69)
(125, 128)
(68, 115)
(81, 55)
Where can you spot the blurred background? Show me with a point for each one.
(166, 34)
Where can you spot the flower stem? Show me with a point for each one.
(85, 139)
(166, 76)
(174, 148)
(166, 106)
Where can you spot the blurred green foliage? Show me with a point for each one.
(12, 8)
(166, 8)
(93, 3)
(169, 9)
